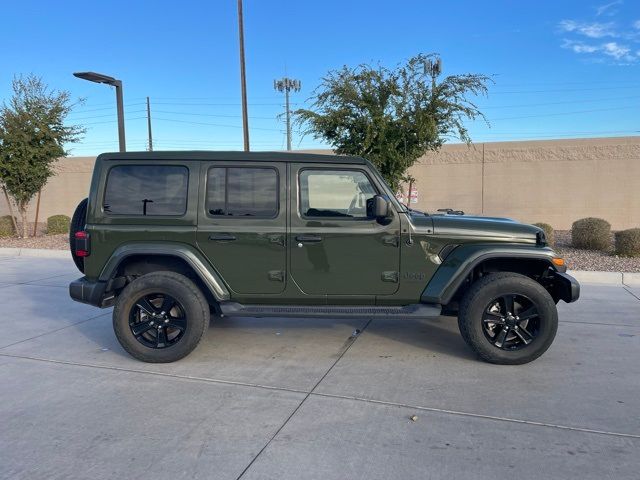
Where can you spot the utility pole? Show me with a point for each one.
(243, 79)
(149, 125)
(285, 85)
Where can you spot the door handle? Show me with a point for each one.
(222, 237)
(309, 238)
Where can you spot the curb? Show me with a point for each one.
(583, 276)
(605, 278)
(35, 252)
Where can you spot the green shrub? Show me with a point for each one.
(548, 232)
(58, 224)
(628, 242)
(6, 226)
(591, 234)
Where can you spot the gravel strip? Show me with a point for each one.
(591, 260)
(49, 242)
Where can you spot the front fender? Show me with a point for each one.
(461, 261)
(190, 255)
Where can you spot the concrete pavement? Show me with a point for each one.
(291, 399)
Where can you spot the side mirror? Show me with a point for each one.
(378, 207)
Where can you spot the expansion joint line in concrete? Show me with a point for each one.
(350, 341)
(631, 292)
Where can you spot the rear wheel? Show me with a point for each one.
(160, 317)
(508, 318)
(78, 223)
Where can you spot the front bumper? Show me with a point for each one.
(87, 291)
(567, 287)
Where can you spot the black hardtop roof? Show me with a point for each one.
(246, 156)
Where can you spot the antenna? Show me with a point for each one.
(286, 85)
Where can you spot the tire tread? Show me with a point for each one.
(479, 344)
(141, 352)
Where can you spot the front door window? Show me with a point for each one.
(334, 193)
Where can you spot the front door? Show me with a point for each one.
(242, 224)
(336, 249)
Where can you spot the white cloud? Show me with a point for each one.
(591, 30)
(614, 41)
(617, 51)
(608, 8)
(620, 53)
(579, 47)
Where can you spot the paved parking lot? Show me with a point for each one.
(293, 399)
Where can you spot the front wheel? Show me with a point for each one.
(508, 318)
(160, 317)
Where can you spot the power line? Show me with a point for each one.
(564, 113)
(212, 115)
(493, 92)
(487, 107)
(113, 121)
(235, 104)
(103, 116)
(214, 124)
(592, 132)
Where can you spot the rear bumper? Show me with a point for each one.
(567, 287)
(86, 291)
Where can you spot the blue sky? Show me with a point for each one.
(562, 68)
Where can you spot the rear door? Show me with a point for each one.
(242, 224)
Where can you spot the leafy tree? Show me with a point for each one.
(32, 137)
(393, 117)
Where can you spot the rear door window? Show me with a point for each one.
(242, 192)
(146, 190)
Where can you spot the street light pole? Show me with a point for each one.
(100, 78)
(120, 108)
(149, 125)
(243, 79)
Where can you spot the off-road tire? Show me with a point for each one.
(184, 291)
(482, 292)
(78, 223)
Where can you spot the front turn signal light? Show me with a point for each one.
(558, 262)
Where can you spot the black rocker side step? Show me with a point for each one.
(419, 310)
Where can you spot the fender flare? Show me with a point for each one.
(463, 259)
(192, 257)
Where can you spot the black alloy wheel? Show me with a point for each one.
(508, 318)
(511, 321)
(160, 317)
(157, 320)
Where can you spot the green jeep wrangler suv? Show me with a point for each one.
(170, 238)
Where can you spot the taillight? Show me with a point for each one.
(82, 246)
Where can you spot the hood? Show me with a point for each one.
(490, 227)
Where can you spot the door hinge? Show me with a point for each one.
(390, 277)
(276, 275)
(277, 239)
(391, 240)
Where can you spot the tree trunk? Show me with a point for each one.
(22, 208)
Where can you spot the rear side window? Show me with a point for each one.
(147, 190)
(242, 192)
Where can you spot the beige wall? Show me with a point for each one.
(556, 181)
(63, 192)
